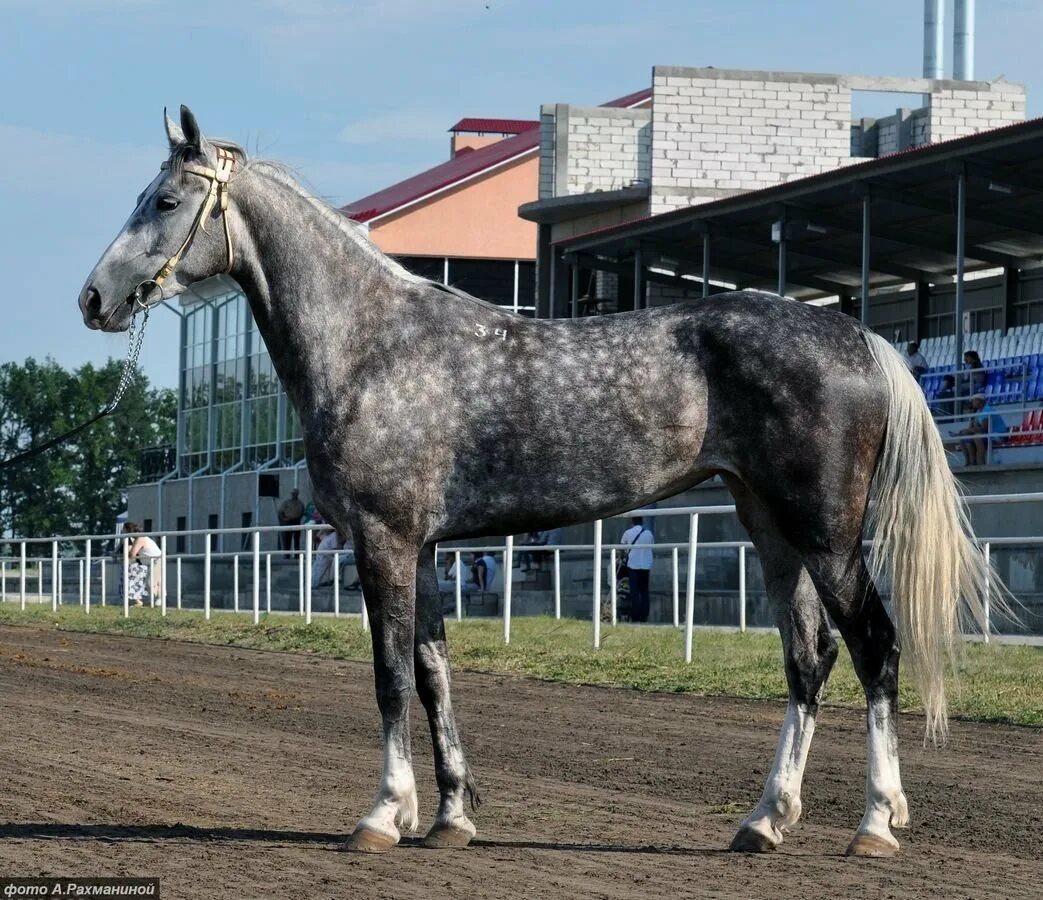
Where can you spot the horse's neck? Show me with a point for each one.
(315, 288)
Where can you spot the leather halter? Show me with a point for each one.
(217, 193)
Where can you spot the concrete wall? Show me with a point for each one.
(163, 504)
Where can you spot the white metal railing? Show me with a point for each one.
(305, 558)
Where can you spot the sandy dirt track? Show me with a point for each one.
(232, 773)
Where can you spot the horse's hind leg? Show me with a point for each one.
(809, 651)
(389, 597)
(451, 827)
(848, 592)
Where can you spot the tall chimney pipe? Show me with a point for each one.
(934, 39)
(963, 41)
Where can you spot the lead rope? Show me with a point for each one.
(137, 336)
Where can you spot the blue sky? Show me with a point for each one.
(355, 96)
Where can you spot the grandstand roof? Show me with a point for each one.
(912, 220)
(460, 169)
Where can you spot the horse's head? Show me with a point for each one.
(173, 238)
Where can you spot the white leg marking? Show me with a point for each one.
(779, 807)
(885, 802)
(396, 799)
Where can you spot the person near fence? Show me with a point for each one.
(528, 559)
(916, 361)
(974, 378)
(290, 512)
(945, 400)
(483, 571)
(447, 583)
(639, 561)
(322, 565)
(142, 571)
(984, 427)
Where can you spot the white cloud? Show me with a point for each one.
(400, 125)
(339, 182)
(42, 162)
(64, 8)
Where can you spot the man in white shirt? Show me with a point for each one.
(915, 360)
(639, 568)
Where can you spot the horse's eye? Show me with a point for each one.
(166, 204)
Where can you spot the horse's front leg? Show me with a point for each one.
(387, 566)
(451, 827)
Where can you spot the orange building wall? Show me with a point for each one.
(460, 142)
(479, 219)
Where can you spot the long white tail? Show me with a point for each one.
(923, 538)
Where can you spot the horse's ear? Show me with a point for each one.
(174, 133)
(190, 127)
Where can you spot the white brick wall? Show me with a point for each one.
(608, 149)
(715, 134)
(603, 149)
(719, 132)
(955, 113)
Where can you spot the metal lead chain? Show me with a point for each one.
(136, 336)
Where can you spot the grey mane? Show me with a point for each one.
(285, 175)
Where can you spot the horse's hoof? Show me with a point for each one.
(749, 841)
(449, 837)
(365, 840)
(871, 845)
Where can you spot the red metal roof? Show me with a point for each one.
(461, 168)
(494, 126)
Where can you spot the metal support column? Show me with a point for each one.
(544, 274)
(922, 298)
(1011, 289)
(639, 280)
(782, 254)
(866, 249)
(552, 283)
(706, 264)
(961, 243)
(574, 279)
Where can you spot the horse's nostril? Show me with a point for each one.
(91, 301)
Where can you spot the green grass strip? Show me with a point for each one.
(996, 683)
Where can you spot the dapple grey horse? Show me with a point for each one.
(429, 415)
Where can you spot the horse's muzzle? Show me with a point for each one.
(90, 306)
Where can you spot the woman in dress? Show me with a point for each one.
(142, 575)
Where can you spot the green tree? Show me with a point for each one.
(76, 486)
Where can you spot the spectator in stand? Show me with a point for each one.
(290, 513)
(142, 573)
(483, 572)
(322, 564)
(529, 560)
(984, 427)
(974, 376)
(447, 583)
(945, 401)
(915, 360)
(639, 568)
